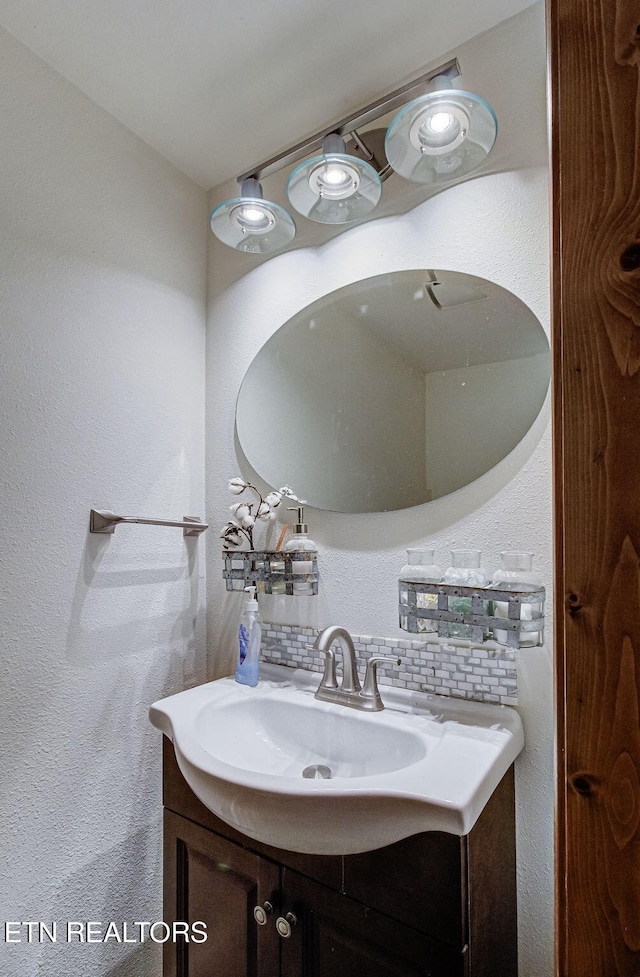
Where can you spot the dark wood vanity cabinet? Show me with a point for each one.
(434, 905)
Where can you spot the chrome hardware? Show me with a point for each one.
(317, 771)
(261, 913)
(103, 521)
(350, 692)
(329, 680)
(285, 924)
(394, 100)
(370, 689)
(350, 680)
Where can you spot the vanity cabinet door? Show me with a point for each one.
(210, 879)
(334, 936)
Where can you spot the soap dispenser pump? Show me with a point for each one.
(300, 541)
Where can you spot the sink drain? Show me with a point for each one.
(317, 771)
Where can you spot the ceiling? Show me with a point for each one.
(217, 87)
(479, 321)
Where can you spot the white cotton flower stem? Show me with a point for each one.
(264, 510)
(248, 531)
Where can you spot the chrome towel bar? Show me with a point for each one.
(104, 521)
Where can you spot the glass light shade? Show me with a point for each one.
(252, 224)
(441, 136)
(334, 188)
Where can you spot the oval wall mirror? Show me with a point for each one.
(394, 390)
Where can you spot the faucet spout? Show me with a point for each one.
(350, 692)
(350, 681)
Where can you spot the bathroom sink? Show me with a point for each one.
(316, 777)
(280, 737)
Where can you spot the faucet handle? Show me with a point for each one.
(329, 680)
(370, 688)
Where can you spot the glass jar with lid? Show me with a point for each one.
(516, 573)
(465, 571)
(420, 568)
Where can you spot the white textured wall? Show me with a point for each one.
(494, 227)
(102, 264)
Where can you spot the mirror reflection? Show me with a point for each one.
(394, 390)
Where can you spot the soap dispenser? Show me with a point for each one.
(300, 541)
(249, 640)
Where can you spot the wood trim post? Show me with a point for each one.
(594, 52)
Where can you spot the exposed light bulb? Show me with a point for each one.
(252, 215)
(439, 129)
(335, 179)
(440, 121)
(333, 174)
(253, 218)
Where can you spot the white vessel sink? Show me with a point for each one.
(317, 777)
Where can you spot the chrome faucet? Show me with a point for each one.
(350, 692)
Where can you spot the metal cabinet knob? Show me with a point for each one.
(285, 924)
(261, 913)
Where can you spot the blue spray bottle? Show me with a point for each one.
(249, 638)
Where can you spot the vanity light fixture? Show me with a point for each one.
(435, 138)
(334, 188)
(442, 135)
(250, 223)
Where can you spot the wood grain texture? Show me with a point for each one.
(214, 881)
(491, 886)
(594, 59)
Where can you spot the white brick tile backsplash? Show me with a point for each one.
(487, 674)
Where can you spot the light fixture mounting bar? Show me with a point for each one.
(388, 103)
